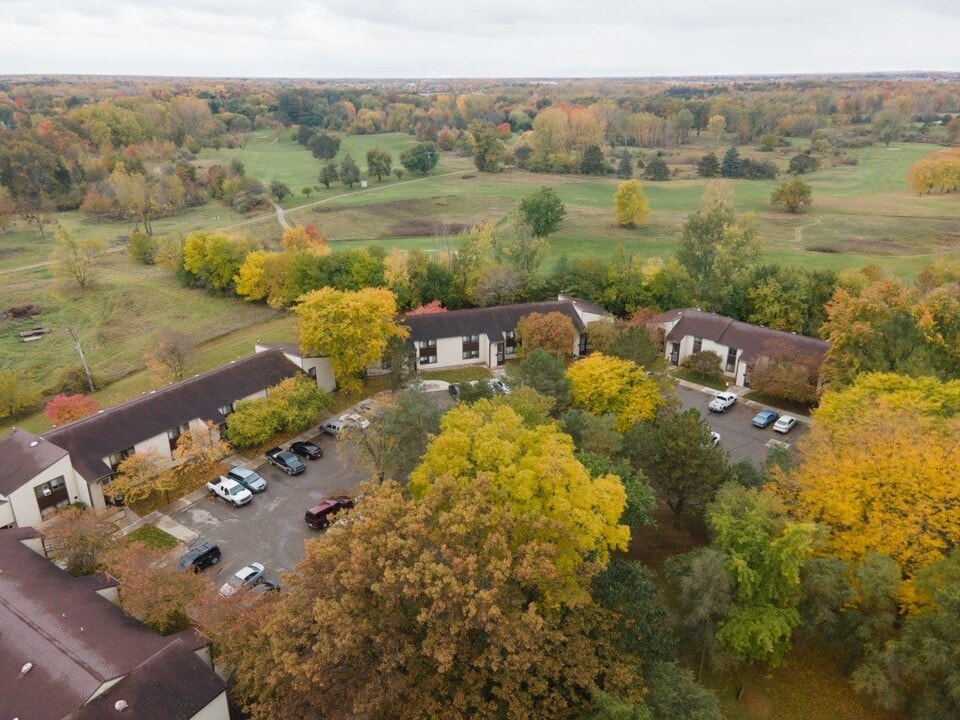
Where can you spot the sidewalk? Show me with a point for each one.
(740, 392)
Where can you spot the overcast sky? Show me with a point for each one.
(465, 38)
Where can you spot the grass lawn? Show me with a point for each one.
(457, 375)
(807, 687)
(152, 536)
(693, 377)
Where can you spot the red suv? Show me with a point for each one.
(318, 517)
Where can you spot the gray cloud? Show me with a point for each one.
(392, 38)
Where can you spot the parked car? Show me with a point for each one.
(454, 389)
(784, 424)
(333, 426)
(200, 556)
(318, 517)
(499, 387)
(230, 490)
(266, 587)
(714, 439)
(306, 449)
(355, 420)
(248, 478)
(247, 576)
(722, 402)
(764, 418)
(285, 460)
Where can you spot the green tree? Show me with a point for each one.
(676, 455)
(402, 360)
(708, 166)
(593, 162)
(280, 190)
(75, 260)
(412, 418)
(630, 204)
(545, 373)
(625, 167)
(349, 172)
(488, 147)
(657, 169)
(328, 174)
(325, 146)
(421, 158)
(793, 195)
(351, 328)
(379, 162)
(887, 124)
(803, 163)
(142, 247)
(764, 554)
(542, 211)
(732, 165)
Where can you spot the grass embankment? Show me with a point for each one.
(152, 536)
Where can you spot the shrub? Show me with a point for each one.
(706, 364)
(292, 406)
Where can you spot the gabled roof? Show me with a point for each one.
(23, 456)
(752, 340)
(174, 684)
(95, 437)
(491, 321)
(74, 638)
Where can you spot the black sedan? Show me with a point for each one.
(307, 450)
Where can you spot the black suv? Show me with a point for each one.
(200, 556)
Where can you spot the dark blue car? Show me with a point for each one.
(764, 418)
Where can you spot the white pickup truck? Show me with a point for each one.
(230, 490)
(722, 402)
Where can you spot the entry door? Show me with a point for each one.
(675, 353)
(501, 353)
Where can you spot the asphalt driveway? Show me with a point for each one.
(737, 436)
(270, 529)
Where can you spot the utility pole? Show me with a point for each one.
(83, 360)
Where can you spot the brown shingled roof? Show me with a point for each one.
(95, 437)
(174, 684)
(491, 321)
(74, 638)
(752, 340)
(23, 456)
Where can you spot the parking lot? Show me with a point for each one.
(737, 436)
(270, 529)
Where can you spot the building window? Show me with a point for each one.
(428, 352)
(697, 344)
(226, 409)
(731, 360)
(49, 488)
(174, 433)
(471, 346)
(118, 457)
(511, 342)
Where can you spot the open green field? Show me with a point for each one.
(862, 214)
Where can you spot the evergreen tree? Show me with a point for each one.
(732, 165)
(657, 169)
(709, 166)
(625, 168)
(593, 162)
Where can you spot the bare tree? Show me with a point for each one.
(170, 356)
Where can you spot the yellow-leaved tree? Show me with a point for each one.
(603, 384)
(350, 328)
(881, 469)
(535, 472)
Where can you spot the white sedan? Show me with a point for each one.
(247, 576)
(784, 424)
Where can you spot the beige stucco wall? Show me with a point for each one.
(450, 353)
(23, 501)
(6, 513)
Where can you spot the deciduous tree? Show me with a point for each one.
(379, 162)
(603, 384)
(75, 260)
(349, 171)
(553, 332)
(351, 328)
(793, 195)
(328, 174)
(421, 158)
(67, 408)
(80, 538)
(534, 472)
(542, 211)
(630, 204)
(169, 356)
